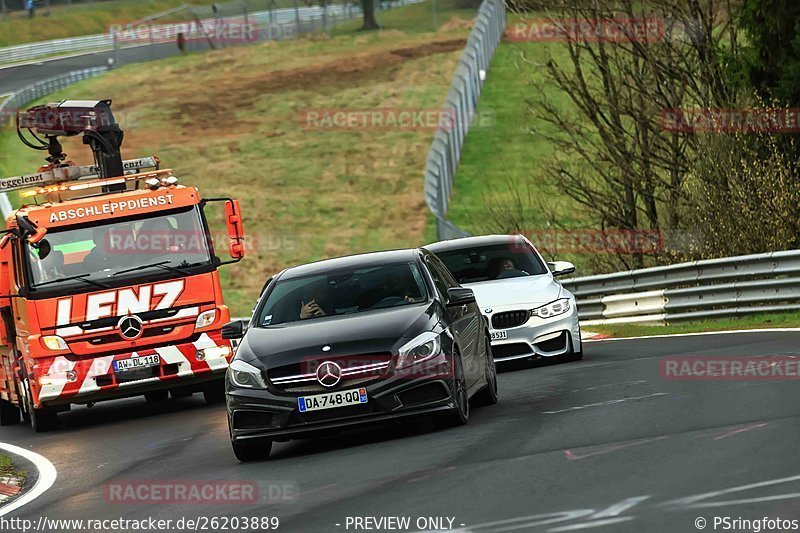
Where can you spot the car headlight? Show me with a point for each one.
(420, 348)
(246, 376)
(559, 307)
(205, 319)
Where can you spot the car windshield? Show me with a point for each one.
(120, 249)
(343, 292)
(498, 261)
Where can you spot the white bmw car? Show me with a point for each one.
(530, 315)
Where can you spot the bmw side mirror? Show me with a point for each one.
(460, 296)
(561, 268)
(233, 330)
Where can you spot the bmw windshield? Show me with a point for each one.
(487, 263)
(343, 292)
(98, 256)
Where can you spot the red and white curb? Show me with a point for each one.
(9, 487)
(45, 477)
(593, 336)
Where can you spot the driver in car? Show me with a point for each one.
(498, 265)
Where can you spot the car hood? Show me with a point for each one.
(527, 290)
(372, 332)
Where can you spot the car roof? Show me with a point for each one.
(468, 242)
(352, 261)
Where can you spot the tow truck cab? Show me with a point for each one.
(109, 288)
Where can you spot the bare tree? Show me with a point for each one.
(617, 159)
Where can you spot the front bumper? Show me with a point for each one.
(274, 414)
(538, 337)
(67, 379)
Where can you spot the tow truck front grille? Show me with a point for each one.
(115, 337)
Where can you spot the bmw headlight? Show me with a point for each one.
(246, 376)
(559, 307)
(420, 348)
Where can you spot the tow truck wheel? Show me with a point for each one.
(9, 413)
(39, 419)
(214, 392)
(156, 396)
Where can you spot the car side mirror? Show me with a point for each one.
(233, 330)
(460, 296)
(561, 268)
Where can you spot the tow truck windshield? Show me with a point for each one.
(88, 256)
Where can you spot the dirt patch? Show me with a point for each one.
(456, 23)
(213, 106)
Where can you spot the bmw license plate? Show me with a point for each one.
(499, 335)
(135, 363)
(319, 402)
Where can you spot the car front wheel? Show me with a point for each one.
(460, 413)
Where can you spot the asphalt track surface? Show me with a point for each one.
(604, 444)
(15, 78)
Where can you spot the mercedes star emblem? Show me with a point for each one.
(329, 374)
(130, 327)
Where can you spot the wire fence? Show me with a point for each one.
(461, 103)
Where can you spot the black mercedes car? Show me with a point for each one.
(355, 340)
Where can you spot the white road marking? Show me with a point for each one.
(601, 404)
(728, 332)
(693, 502)
(619, 508)
(589, 525)
(524, 522)
(610, 385)
(47, 476)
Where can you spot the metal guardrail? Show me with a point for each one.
(461, 102)
(732, 286)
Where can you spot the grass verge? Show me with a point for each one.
(776, 320)
(7, 468)
(231, 122)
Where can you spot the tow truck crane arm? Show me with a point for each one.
(46, 124)
(93, 120)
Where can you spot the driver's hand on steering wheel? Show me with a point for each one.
(311, 309)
